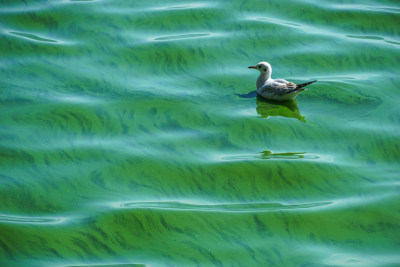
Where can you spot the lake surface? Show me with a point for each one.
(131, 134)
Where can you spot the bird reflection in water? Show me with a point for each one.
(286, 155)
(268, 108)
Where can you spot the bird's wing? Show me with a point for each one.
(282, 87)
(279, 81)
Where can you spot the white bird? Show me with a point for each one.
(276, 89)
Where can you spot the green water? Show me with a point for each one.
(131, 135)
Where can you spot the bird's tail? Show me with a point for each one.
(299, 87)
(304, 84)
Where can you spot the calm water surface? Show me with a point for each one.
(131, 134)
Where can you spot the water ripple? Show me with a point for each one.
(128, 9)
(313, 30)
(373, 38)
(33, 37)
(343, 203)
(181, 36)
(25, 8)
(353, 259)
(338, 256)
(30, 220)
(269, 155)
(224, 207)
(185, 6)
(369, 8)
(75, 99)
(108, 265)
(278, 21)
(78, 1)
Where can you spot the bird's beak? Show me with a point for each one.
(252, 67)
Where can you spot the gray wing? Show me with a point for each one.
(280, 81)
(281, 86)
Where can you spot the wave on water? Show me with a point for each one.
(223, 207)
(30, 219)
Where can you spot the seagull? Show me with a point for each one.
(276, 89)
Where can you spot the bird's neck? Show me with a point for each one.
(262, 79)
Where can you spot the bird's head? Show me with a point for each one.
(263, 67)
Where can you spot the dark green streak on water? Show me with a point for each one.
(131, 134)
